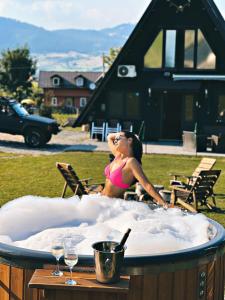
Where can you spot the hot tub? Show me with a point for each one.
(191, 274)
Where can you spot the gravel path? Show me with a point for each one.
(58, 143)
(68, 140)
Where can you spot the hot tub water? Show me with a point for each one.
(33, 222)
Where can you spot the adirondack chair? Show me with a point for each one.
(190, 196)
(205, 164)
(78, 186)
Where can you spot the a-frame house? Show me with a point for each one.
(170, 73)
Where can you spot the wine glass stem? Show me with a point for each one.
(57, 266)
(71, 268)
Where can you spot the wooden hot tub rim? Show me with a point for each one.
(172, 276)
(22, 257)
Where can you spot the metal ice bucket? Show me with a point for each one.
(107, 262)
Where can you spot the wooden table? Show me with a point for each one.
(87, 287)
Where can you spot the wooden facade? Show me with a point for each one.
(178, 53)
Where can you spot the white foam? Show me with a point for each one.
(34, 222)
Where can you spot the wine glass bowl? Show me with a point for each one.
(70, 258)
(57, 251)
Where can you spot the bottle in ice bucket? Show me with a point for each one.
(108, 259)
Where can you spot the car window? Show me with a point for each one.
(4, 109)
(21, 111)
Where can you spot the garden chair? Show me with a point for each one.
(205, 164)
(78, 186)
(190, 196)
(111, 128)
(98, 130)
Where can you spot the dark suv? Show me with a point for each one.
(14, 119)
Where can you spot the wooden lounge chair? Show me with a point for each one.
(204, 165)
(190, 196)
(78, 186)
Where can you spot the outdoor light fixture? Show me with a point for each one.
(103, 107)
(206, 93)
(149, 92)
(179, 4)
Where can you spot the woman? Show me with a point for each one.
(126, 167)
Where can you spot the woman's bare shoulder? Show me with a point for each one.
(132, 161)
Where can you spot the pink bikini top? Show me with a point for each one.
(116, 176)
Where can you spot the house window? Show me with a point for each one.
(69, 102)
(54, 101)
(189, 46)
(170, 48)
(189, 108)
(79, 81)
(153, 57)
(83, 102)
(56, 81)
(206, 59)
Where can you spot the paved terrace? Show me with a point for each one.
(80, 141)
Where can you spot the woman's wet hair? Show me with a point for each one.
(136, 145)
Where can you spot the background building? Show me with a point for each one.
(68, 91)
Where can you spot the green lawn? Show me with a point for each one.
(37, 175)
(62, 119)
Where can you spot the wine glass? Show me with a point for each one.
(57, 250)
(70, 258)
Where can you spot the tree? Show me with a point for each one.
(109, 59)
(16, 70)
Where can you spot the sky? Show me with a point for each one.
(86, 14)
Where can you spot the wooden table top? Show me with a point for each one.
(43, 279)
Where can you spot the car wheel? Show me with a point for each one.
(47, 138)
(34, 138)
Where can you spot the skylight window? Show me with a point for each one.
(206, 59)
(153, 57)
(170, 48)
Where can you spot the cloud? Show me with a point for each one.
(58, 14)
(55, 14)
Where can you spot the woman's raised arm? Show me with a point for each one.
(110, 138)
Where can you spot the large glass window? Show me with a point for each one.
(189, 108)
(115, 104)
(189, 45)
(206, 59)
(123, 105)
(170, 48)
(221, 108)
(132, 106)
(153, 57)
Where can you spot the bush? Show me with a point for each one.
(45, 111)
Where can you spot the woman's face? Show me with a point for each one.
(121, 142)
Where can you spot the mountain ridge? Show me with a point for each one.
(15, 33)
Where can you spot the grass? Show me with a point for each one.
(37, 175)
(62, 119)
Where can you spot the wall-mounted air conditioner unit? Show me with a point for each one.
(126, 71)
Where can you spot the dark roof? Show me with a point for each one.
(215, 16)
(45, 77)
